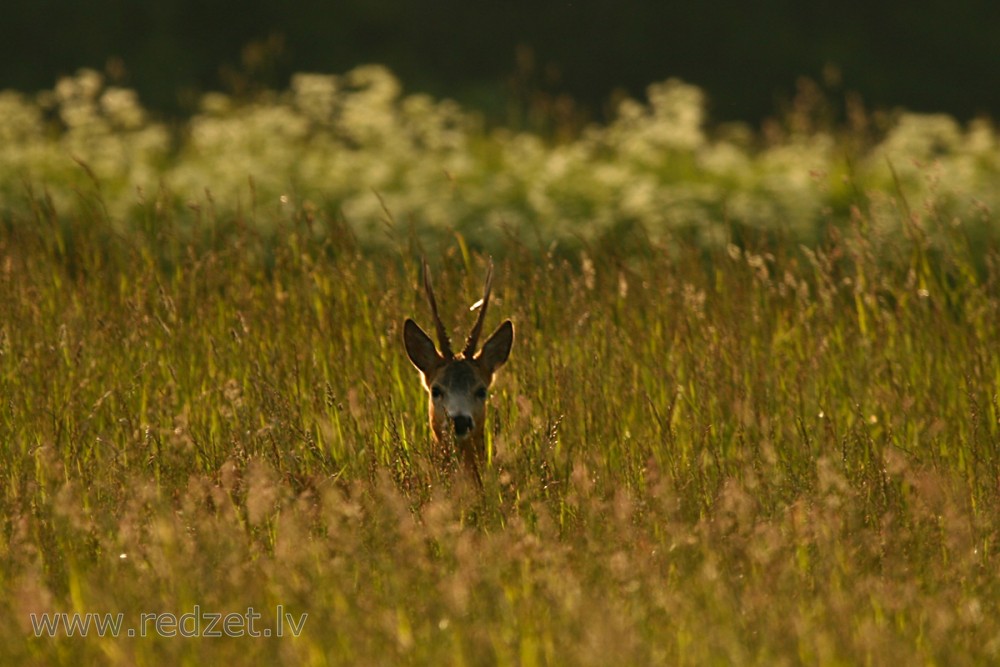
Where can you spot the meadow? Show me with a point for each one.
(751, 415)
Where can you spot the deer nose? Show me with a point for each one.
(463, 424)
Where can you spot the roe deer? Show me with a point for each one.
(457, 384)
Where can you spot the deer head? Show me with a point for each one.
(458, 385)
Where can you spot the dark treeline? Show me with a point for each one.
(923, 55)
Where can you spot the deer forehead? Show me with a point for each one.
(461, 375)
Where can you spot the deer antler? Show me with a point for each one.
(442, 333)
(477, 328)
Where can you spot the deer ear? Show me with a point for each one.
(420, 348)
(496, 350)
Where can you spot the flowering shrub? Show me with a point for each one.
(356, 145)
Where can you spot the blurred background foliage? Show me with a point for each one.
(570, 122)
(922, 55)
(356, 148)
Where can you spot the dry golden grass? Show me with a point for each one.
(747, 457)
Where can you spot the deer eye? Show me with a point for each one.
(436, 392)
(481, 393)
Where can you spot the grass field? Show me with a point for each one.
(745, 452)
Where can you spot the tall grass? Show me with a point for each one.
(755, 454)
